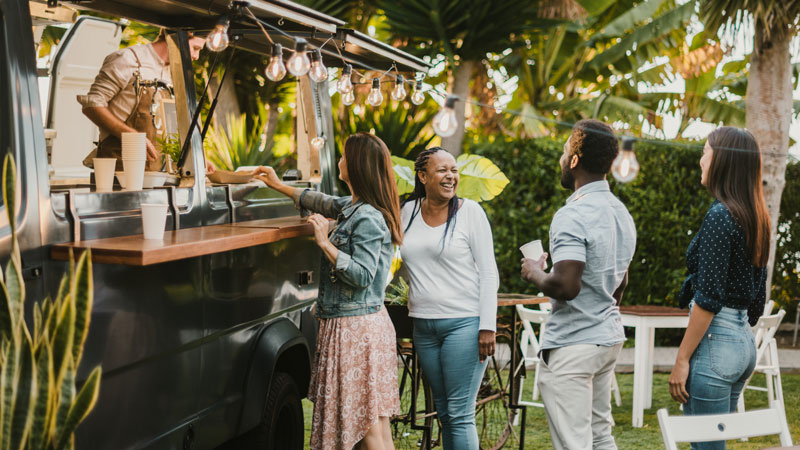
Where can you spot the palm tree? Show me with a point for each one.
(462, 30)
(769, 89)
(592, 67)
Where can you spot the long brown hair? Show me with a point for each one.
(734, 178)
(369, 168)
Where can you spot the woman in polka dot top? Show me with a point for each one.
(726, 285)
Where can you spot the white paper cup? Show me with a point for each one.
(533, 250)
(154, 217)
(104, 173)
(134, 174)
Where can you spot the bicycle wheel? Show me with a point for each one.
(416, 427)
(493, 416)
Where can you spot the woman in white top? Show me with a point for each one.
(448, 255)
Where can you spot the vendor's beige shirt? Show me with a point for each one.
(113, 87)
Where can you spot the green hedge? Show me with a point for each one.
(666, 200)
(786, 280)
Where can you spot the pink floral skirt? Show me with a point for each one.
(354, 379)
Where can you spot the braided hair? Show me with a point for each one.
(418, 194)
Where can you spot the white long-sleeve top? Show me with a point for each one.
(454, 280)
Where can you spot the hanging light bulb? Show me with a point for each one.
(318, 72)
(348, 98)
(445, 123)
(317, 143)
(399, 91)
(276, 70)
(375, 98)
(218, 39)
(344, 85)
(299, 64)
(625, 167)
(417, 97)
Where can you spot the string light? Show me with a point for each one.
(399, 91)
(445, 123)
(625, 167)
(417, 97)
(348, 98)
(318, 72)
(218, 39)
(317, 143)
(375, 98)
(276, 70)
(345, 85)
(299, 64)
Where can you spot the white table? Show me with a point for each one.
(645, 319)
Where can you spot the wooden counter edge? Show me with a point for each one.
(146, 257)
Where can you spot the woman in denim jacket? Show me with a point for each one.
(726, 285)
(354, 381)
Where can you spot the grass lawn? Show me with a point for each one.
(537, 435)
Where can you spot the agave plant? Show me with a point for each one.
(236, 146)
(479, 178)
(400, 126)
(40, 407)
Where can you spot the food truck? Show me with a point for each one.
(205, 338)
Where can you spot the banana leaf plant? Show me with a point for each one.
(479, 178)
(40, 406)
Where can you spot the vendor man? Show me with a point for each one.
(121, 97)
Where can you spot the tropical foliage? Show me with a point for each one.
(236, 146)
(40, 406)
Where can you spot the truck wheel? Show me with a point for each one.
(281, 425)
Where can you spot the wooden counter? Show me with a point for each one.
(520, 299)
(187, 243)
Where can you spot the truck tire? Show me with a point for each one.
(281, 426)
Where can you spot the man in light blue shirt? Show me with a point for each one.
(592, 241)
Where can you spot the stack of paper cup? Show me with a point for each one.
(134, 158)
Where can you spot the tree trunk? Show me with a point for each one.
(769, 113)
(271, 125)
(461, 76)
(227, 105)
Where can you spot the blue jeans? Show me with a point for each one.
(448, 353)
(721, 364)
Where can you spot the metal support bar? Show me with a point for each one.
(172, 203)
(230, 203)
(74, 218)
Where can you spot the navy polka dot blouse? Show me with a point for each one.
(720, 271)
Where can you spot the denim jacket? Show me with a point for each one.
(355, 285)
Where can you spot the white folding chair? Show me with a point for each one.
(768, 306)
(767, 360)
(530, 347)
(723, 427)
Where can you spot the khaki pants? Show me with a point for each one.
(575, 383)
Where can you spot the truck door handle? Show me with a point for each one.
(305, 277)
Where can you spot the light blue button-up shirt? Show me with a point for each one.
(594, 227)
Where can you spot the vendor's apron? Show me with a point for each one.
(140, 119)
